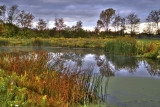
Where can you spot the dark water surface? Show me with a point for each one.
(124, 80)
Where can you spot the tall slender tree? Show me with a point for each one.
(123, 25)
(106, 17)
(12, 14)
(133, 21)
(3, 13)
(154, 16)
(41, 25)
(25, 20)
(59, 24)
(116, 22)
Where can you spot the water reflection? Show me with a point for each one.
(104, 64)
(100, 69)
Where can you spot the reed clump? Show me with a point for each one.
(4, 42)
(122, 46)
(40, 42)
(26, 80)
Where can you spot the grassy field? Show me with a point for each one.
(146, 41)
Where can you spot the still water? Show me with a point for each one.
(124, 80)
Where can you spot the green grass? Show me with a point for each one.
(122, 46)
(59, 42)
(146, 41)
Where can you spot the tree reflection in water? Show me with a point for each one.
(97, 66)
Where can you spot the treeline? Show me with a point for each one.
(19, 23)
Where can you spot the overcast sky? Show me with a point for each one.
(85, 10)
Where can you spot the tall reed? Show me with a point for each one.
(122, 46)
(42, 86)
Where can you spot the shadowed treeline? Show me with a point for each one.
(19, 24)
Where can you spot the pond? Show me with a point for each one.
(123, 80)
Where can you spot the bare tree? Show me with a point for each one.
(79, 25)
(59, 23)
(149, 25)
(154, 16)
(123, 25)
(41, 25)
(105, 18)
(3, 13)
(12, 13)
(133, 21)
(116, 22)
(25, 19)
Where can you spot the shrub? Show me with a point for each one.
(152, 49)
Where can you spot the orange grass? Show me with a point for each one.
(43, 86)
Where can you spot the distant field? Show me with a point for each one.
(146, 41)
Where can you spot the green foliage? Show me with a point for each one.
(2, 30)
(10, 93)
(152, 49)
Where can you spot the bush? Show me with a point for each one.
(152, 50)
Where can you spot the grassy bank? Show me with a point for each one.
(120, 45)
(25, 80)
(58, 42)
(132, 46)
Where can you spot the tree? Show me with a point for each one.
(41, 25)
(59, 23)
(122, 24)
(149, 25)
(133, 21)
(79, 25)
(3, 13)
(154, 16)
(116, 22)
(106, 17)
(12, 14)
(25, 19)
(96, 31)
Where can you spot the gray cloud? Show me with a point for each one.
(86, 10)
